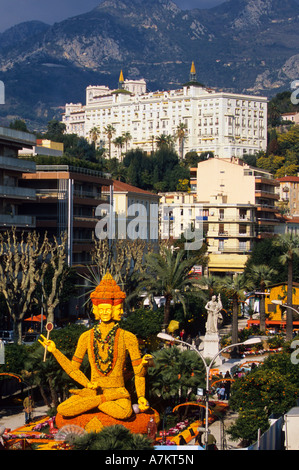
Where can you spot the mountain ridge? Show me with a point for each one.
(248, 46)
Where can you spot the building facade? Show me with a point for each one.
(227, 124)
(288, 191)
(233, 207)
(12, 195)
(66, 201)
(292, 116)
(135, 213)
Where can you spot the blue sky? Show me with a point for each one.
(13, 12)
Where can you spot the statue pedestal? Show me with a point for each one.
(97, 420)
(211, 348)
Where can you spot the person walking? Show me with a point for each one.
(28, 404)
(197, 341)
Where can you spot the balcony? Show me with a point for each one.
(15, 192)
(17, 164)
(23, 138)
(17, 221)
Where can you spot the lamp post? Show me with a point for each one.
(279, 302)
(167, 337)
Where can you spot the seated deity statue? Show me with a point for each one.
(107, 346)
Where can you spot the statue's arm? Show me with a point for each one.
(140, 367)
(70, 367)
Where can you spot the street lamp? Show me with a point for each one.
(249, 341)
(279, 302)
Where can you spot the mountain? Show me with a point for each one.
(248, 46)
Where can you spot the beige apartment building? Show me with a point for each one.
(233, 207)
(135, 212)
(241, 209)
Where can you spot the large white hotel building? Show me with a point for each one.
(227, 124)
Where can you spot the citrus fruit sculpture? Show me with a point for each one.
(103, 398)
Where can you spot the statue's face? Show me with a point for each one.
(103, 312)
(214, 298)
(117, 312)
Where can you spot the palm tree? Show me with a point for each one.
(167, 274)
(109, 131)
(164, 141)
(176, 376)
(262, 276)
(210, 283)
(94, 134)
(119, 142)
(181, 135)
(113, 438)
(127, 137)
(289, 245)
(235, 287)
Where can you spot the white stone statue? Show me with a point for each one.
(213, 308)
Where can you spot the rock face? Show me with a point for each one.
(240, 45)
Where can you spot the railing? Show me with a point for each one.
(17, 192)
(17, 220)
(18, 136)
(13, 163)
(58, 194)
(74, 169)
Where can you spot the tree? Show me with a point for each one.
(175, 376)
(262, 276)
(127, 137)
(181, 132)
(164, 141)
(20, 257)
(167, 274)
(19, 125)
(124, 259)
(119, 142)
(112, 438)
(270, 388)
(143, 322)
(58, 273)
(94, 134)
(109, 131)
(235, 287)
(24, 263)
(289, 244)
(55, 131)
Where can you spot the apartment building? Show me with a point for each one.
(66, 200)
(135, 212)
(12, 194)
(288, 191)
(292, 116)
(227, 124)
(43, 147)
(241, 209)
(233, 207)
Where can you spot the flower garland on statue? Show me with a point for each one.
(98, 343)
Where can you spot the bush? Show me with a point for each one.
(113, 438)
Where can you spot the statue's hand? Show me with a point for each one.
(92, 385)
(47, 343)
(143, 404)
(147, 359)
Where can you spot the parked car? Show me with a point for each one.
(7, 336)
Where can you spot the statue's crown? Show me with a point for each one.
(107, 292)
